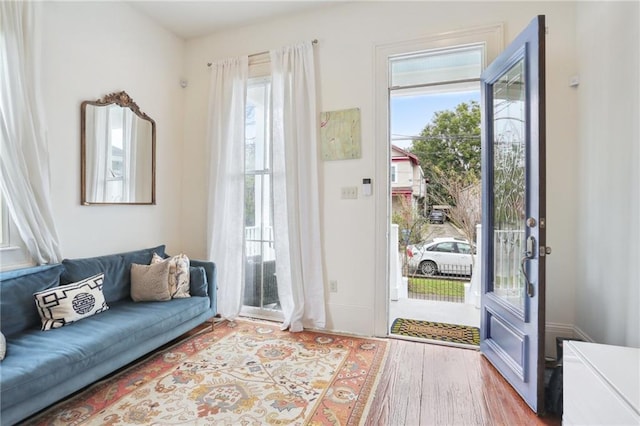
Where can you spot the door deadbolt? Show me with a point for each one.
(531, 222)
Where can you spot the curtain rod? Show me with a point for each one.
(314, 41)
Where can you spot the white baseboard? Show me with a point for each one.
(553, 330)
(581, 334)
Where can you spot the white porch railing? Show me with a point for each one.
(259, 242)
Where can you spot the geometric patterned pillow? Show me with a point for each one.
(178, 274)
(59, 306)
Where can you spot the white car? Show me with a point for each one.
(441, 256)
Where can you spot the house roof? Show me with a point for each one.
(403, 155)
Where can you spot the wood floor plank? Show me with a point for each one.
(450, 399)
(428, 384)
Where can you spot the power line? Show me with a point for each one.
(397, 137)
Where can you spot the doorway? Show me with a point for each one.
(387, 267)
(434, 194)
(512, 309)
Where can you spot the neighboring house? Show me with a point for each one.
(407, 180)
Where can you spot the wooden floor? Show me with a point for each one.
(428, 384)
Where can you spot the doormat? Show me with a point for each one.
(242, 373)
(452, 333)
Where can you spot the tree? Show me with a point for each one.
(411, 226)
(449, 146)
(464, 194)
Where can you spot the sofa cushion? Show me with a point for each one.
(198, 285)
(17, 309)
(178, 274)
(116, 269)
(150, 283)
(34, 365)
(62, 305)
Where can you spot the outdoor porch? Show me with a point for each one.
(436, 311)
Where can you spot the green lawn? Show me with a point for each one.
(436, 286)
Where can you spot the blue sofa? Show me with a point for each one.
(42, 367)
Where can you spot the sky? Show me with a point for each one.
(410, 114)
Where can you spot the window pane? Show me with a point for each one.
(260, 286)
(464, 248)
(257, 125)
(437, 66)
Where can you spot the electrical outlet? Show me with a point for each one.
(333, 286)
(349, 192)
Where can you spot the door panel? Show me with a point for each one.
(513, 197)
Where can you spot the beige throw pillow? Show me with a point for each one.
(178, 274)
(150, 283)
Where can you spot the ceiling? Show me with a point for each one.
(189, 19)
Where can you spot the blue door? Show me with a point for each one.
(513, 223)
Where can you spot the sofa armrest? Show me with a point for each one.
(210, 271)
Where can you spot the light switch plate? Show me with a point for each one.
(349, 192)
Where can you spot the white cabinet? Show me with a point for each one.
(601, 384)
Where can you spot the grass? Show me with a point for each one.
(436, 287)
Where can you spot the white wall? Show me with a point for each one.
(348, 34)
(91, 49)
(607, 290)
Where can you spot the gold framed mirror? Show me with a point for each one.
(117, 152)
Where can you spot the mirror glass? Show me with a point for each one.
(118, 152)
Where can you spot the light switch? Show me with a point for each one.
(349, 192)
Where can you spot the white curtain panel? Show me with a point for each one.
(130, 142)
(97, 155)
(225, 238)
(24, 156)
(295, 188)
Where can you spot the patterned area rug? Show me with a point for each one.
(243, 373)
(440, 331)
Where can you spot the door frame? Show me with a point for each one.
(493, 37)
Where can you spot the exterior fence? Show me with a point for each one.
(443, 287)
(448, 285)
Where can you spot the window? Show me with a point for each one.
(464, 248)
(13, 253)
(428, 82)
(394, 173)
(4, 224)
(260, 280)
(445, 247)
(115, 157)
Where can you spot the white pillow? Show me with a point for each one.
(3, 346)
(150, 283)
(178, 274)
(62, 305)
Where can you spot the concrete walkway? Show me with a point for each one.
(428, 310)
